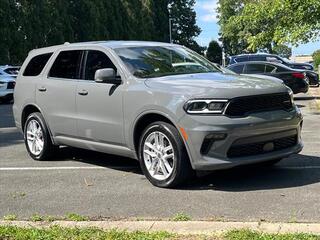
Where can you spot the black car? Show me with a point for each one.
(295, 79)
(269, 58)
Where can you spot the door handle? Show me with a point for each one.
(42, 89)
(83, 92)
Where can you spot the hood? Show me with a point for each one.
(218, 85)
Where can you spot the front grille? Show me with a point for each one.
(11, 85)
(252, 149)
(242, 106)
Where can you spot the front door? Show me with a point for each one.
(99, 105)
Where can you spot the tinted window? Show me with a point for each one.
(257, 58)
(66, 65)
(241, 59)
(237, 68)
(255, 68)
(96, 60)
(36, 65)
(270, 69)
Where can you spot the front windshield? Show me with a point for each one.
(149, 62)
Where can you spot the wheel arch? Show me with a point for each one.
(27, 110)
(147, 118)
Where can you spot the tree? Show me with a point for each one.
(316, 58)
(282, 50)
(232, 43)
(184, 27)
(265, 23)
(214, 52)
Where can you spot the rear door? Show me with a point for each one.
(99, 105)
(56, 93)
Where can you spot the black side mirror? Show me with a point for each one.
(107, 75)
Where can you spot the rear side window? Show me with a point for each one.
(67, 65)
(255, 68)
(242, 59)
(237, 68)
(96, 60)
(36, 64)
(270, 69)
(257, 58)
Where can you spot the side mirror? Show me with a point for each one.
(107, 75)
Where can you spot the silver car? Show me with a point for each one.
(8, 76)
(159, 103)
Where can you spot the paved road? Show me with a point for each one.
(94, 184)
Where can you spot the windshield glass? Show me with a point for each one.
(149, 62)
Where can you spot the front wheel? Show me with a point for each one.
(37, 138)
(163, 157)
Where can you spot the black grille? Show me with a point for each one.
(258, 148)
(244, 105)
(11, 85)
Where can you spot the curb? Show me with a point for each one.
(189, 227)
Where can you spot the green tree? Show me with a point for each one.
(265, 23)
(316, 58)
(282, 50)
(229, 36)
(214, 52)
(184, 27)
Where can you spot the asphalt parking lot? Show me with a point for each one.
(101, 185)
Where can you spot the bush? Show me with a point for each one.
(316, 58)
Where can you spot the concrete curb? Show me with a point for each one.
(189, 227)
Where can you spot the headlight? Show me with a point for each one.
(205, 106)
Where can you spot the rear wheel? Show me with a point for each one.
(163, 157)
(37, 138)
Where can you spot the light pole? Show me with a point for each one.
(170, 29)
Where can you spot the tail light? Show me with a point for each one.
(298, 75)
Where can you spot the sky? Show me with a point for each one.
(207, 21)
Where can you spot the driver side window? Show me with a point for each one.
(96, 60)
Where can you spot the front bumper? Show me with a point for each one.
(269, 125)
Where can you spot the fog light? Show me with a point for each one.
(209, 140)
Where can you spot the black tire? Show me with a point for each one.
(182, 170)
(48, 147)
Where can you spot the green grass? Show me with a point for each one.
(10, 217)
(36, 218)
(250, 235)
(16, 233)
(59, 233)
(179, 217)
(76, 217)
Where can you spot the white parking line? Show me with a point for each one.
(118, 167)
(59, 168)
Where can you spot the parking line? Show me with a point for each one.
(60, 168)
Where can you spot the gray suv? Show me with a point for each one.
(159, 103)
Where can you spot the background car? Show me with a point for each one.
(295, 79)
(269, 58)
(8, 76)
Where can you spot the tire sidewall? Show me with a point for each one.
(168, 131)
(46, 137)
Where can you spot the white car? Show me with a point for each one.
(8, 76)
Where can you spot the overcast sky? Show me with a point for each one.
(207, 21)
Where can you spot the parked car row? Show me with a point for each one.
(297, 76)
(8, 76)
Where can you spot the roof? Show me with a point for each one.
(254, 54)
(261, 62)
(109, 44)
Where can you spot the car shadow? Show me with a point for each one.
(298, 170)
